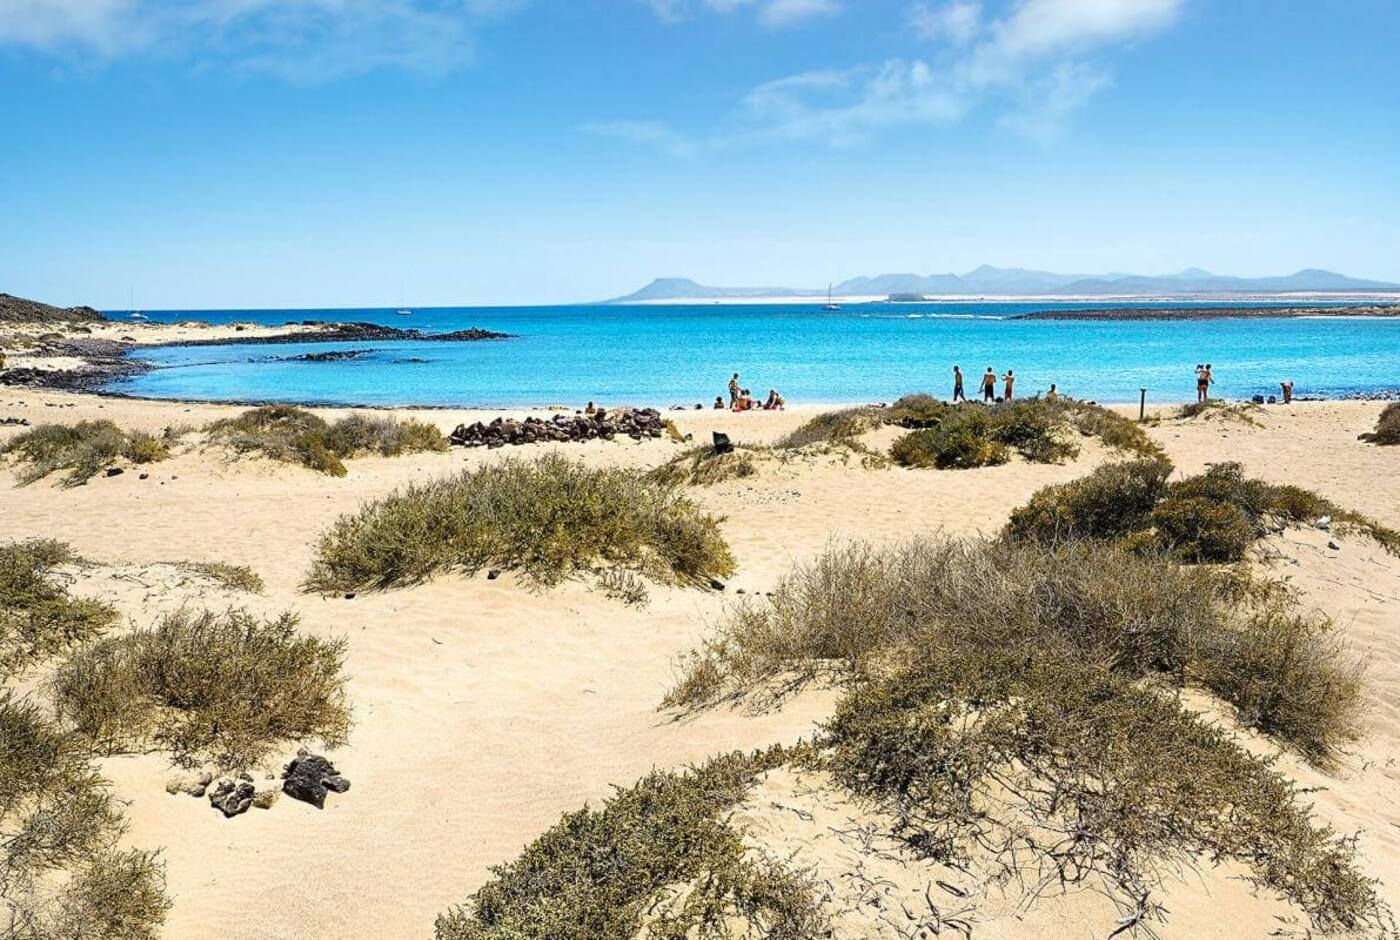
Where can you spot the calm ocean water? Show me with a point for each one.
(685, 354)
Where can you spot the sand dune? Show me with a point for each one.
(485, 709)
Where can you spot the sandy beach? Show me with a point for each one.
(483, 709)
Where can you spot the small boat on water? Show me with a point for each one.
(405, 313)
(830, 304)
(137, 315)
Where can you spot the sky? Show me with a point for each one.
(319, 153)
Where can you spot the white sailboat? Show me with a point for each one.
(131, 299)
(830, 305)
(403, 311)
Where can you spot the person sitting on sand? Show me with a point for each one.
(591, 409)
(1010, 384)
(989, 385)
(719, 402)
(958, 385)
(743, 401)
(775, 401)
(1287, 386)
(1052, 395)
(734, 391)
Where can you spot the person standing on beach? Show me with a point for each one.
(1202, 382)
(958, 385)
(1209, 380)
(1010, 384)
(1053, 394)
(734, 390)
(989, 385)
(1287, 386)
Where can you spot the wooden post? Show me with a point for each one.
(1142, 405)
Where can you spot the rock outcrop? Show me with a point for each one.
(605, 425)
(310, 777)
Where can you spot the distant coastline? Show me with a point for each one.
(1214, 313)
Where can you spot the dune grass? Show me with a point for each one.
(841, 427)
(38, 617)
(1214, 516)
(1387, 432)
(294, 435)
(1218, 409)
(229, 577)
(84, 449)
(224, 688)
(62, 874)
(703, 466)
(609, 872)
(972, 435)
(549, 517)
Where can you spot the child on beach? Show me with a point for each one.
(719, 403)
(958, 385)
(989, 385)
(1010, 384)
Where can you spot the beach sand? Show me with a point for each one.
(484, 709)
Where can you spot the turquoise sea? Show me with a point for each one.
(666, 355)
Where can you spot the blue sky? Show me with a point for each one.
(264, 153)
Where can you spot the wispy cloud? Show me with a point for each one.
(303, 40)
(772, 13)
(1032, 67)
(651, 133)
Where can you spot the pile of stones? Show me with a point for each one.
(605, 425)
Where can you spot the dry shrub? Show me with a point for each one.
(1387, 430)
(289, 434)
(38, 617)
(1117, 431)
(833, 427)
(360, 434)
(704, 466)
(962, 446)
(1220, 410)
(225, 688)
(1065, 773)
(606, 872)
(61, 873)
(1114, 501)
(84, 449)
(230, 577)
(919, 410)
(549, 517)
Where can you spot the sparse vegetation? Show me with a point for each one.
(1387, 430)
(549, 517)
(833, 427)
(62, 875)
(84, 449)
(38, 617)
(229, 577)
(1211, 517)
(656, 861)
(289, 434)
(703, 466)
(1218, 409)
(626, 586)
(222, 688)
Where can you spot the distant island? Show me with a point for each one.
(988, 280)
(1213, 313)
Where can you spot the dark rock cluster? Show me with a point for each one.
(310, 777)
(605, 425)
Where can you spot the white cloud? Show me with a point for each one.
(307, 40)
(957, 22)
(772, 13)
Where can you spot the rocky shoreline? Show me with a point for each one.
(1212, 313)
(353, 331)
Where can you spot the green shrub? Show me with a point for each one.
(38, 617)
(389, 437)
(1387, 430)
(61, 872)
(1113, 502)
(549, 517)
(1070, 773)
(977, 436)
(607, 872)
(225, 688)
(84, 449)
(918, 411)
(1198, 529)
(962, 446)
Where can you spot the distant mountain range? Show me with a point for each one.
(1013, 281)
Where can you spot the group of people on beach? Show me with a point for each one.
(741, 399)
(989, 386)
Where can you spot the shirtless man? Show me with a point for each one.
(958, 385)
(1010, 384)
(1287, 387)
(989, 385)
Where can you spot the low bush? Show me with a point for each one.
(549, 517)
(230, 577)
(1113, 502)
(289, 434)
(704, 466)
(918, 411)
(607, 872)
(62, 875)
(223, 688)
(1198, 529)
(1068, 774)
(978, 436)
(833, 427)
(38, 617)
(1387, 430)
(955, 446)
(1117, 431)
(84, 449)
